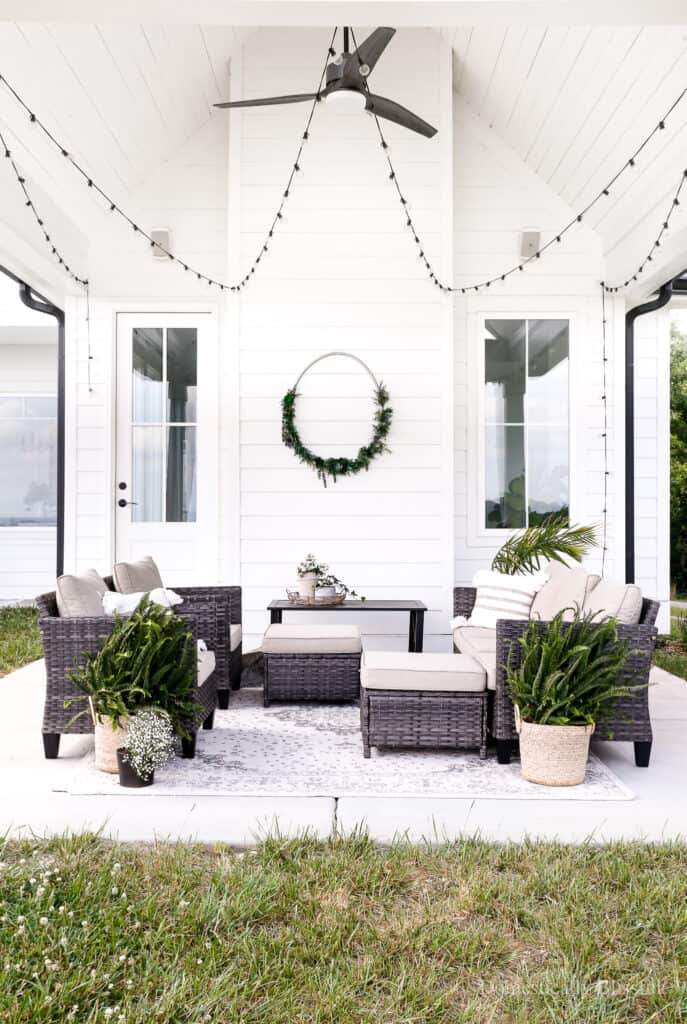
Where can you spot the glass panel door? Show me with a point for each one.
(164, 368)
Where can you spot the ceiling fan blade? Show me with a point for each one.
(392, 111)
(372, 48)
(270, 101)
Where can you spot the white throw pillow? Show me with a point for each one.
(503, 597)
(125, 604)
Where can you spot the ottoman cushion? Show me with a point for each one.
(391, 670)
(479, 643)
(311, 639)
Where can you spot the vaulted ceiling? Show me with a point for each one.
(573, 101)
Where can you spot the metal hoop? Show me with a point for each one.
(347, 355)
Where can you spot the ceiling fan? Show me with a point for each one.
(347, 85)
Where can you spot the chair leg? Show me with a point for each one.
(236, 681)
(223, 699)
(51, 744)
(503, 751)
(188, 746)
(366, 750)
(642, 753)
(209, 721)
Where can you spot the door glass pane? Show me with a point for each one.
(11, 406)
(181, 374)
(146, 467)
(28, 470)
(547, 472)
(147, 375)
(505, 477)
(504, 371)
(40, 406)
(547, 385)
(181, 474)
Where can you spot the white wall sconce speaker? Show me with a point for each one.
(162, 237)
(530, 242)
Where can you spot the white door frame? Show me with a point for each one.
(208, 425)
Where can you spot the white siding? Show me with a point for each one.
(496, 197)
(652, 459)
(342, 274)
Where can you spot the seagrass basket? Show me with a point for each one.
(553, 755)
(107, 740)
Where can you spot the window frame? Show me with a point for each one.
(479, 535)
(23, 395)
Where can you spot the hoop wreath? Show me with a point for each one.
(333, 468)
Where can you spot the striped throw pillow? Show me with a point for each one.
(503, 597)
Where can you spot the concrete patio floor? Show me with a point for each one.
(28, 805)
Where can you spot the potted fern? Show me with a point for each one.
(147, 660)
(149, 745)
(568, 676)
(553, 540)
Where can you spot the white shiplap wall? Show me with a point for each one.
(342, 274)
(496, 197)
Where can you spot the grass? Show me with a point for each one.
(20, 640)
(300, 932)
(671, 650)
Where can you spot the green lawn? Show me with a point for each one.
(343, 932)
(20, 640)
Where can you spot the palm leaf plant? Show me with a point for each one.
(147, 659)
(570, 673)
(553, 540)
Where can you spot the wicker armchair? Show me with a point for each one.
(629, 719)
(226, 602)
(66, 642)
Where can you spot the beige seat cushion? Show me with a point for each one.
(621, 601)
(450, 673)
(132, 577)
(81, 595)
(206, 665)
(567, 587)
(235, 635)
(480, 643)
(311, 639)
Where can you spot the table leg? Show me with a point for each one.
(417, 631)
(275, 615)
(411, 631)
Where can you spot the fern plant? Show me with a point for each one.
(553, 540)
(146, 660)
(570, 672)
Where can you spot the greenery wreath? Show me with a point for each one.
(332, 468)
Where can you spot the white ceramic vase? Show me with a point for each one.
(306, 585)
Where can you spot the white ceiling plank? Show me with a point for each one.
(627, 111)
(481, 60)
(604, 54)
(172, 76)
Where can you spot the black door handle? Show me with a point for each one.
(123, 503)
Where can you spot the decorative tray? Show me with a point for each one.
(316, 602)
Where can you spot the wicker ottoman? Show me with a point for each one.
(423, 700)
(311, 663)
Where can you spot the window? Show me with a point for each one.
(164, 386)
(526, 371)
(28, 460)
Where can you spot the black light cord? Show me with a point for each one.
(115, 208)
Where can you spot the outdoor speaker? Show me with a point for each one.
(162, 237)
(530, 242)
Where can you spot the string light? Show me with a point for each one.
(665, 226)
(604, 403)
(116, 209)
(555, 240)
(29, 202)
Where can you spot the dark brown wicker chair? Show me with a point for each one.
(629, 719)
(227, 605)
(65, 644)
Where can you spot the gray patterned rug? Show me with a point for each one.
(315, 750)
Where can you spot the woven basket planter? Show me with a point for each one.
(107, 740)
(553, 755)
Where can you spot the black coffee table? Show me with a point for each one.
(416, 610)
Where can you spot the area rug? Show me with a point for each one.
(315, 750)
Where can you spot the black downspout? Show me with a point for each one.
(663, 298)
(27, 297)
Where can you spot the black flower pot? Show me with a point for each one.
(128, 776)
